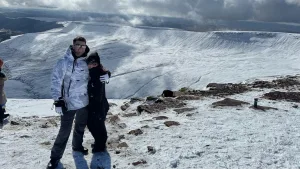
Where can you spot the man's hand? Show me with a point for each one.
(59, 111)
(104, 78)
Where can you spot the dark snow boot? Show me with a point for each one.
(1, 115)
(5, 116)
(52, 164)
(83, 150)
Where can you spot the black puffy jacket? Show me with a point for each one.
(98, 104)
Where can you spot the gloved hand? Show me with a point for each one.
(59, 111)
(104, 78)
(58, 106)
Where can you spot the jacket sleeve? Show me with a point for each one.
(57, 79)
(109, 73)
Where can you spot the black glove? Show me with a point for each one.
(2, 74)
(59, 105)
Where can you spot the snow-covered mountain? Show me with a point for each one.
(146, 60)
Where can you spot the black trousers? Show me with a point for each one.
(81, 117)
(98, 131)
(1, 114)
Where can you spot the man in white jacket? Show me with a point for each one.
(69, 91)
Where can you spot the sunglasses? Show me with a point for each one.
(91, 61)
(80, 46)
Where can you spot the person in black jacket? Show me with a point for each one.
(3, 99)
(98, 104)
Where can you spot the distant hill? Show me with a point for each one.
(15, 26)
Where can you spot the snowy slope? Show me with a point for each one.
(209, 138)
(145, 61)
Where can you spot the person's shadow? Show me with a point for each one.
(101, 160)
(79, 160)
(5, 121)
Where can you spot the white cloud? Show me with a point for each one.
(297, 2)
(264, 10)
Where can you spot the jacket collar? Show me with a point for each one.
(70, 54)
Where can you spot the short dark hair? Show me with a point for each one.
(79, 38)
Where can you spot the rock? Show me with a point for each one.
(49, 123)
(229, 102)
(112, 104)
(160, 118)
(122, 125)
(123, 145)
(200, 153)
(109, 113)
(171, 123)
(188, 97)
(47, 143)
(27, 124)
(181, 110)
(139, 162)
(167, 93)
(145, 108)
(174, 163)
(125, 106)
(14, 123)
(262, 84)
(53, 122)
(30, 117)
(219, 89)
(161, 105)
(114, 119)
(129, 115)
(136, 99)
(184, 89)
(295, 106)
(136, 132)
(146, 121)
(121, 137)
(45, 125)
(113, 142)
(151, 98)
(189, 114)
(151, 150)
(288, 96)
(146, 126)
(25, 136)
(159, 100)
(117, 152)
(284, 82)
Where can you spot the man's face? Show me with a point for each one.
(79, 48)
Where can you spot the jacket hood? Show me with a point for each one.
(71, 55)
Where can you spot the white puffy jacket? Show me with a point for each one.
(74, 74)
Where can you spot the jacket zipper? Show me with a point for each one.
(70, 77)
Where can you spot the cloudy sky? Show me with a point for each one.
(260, 10)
